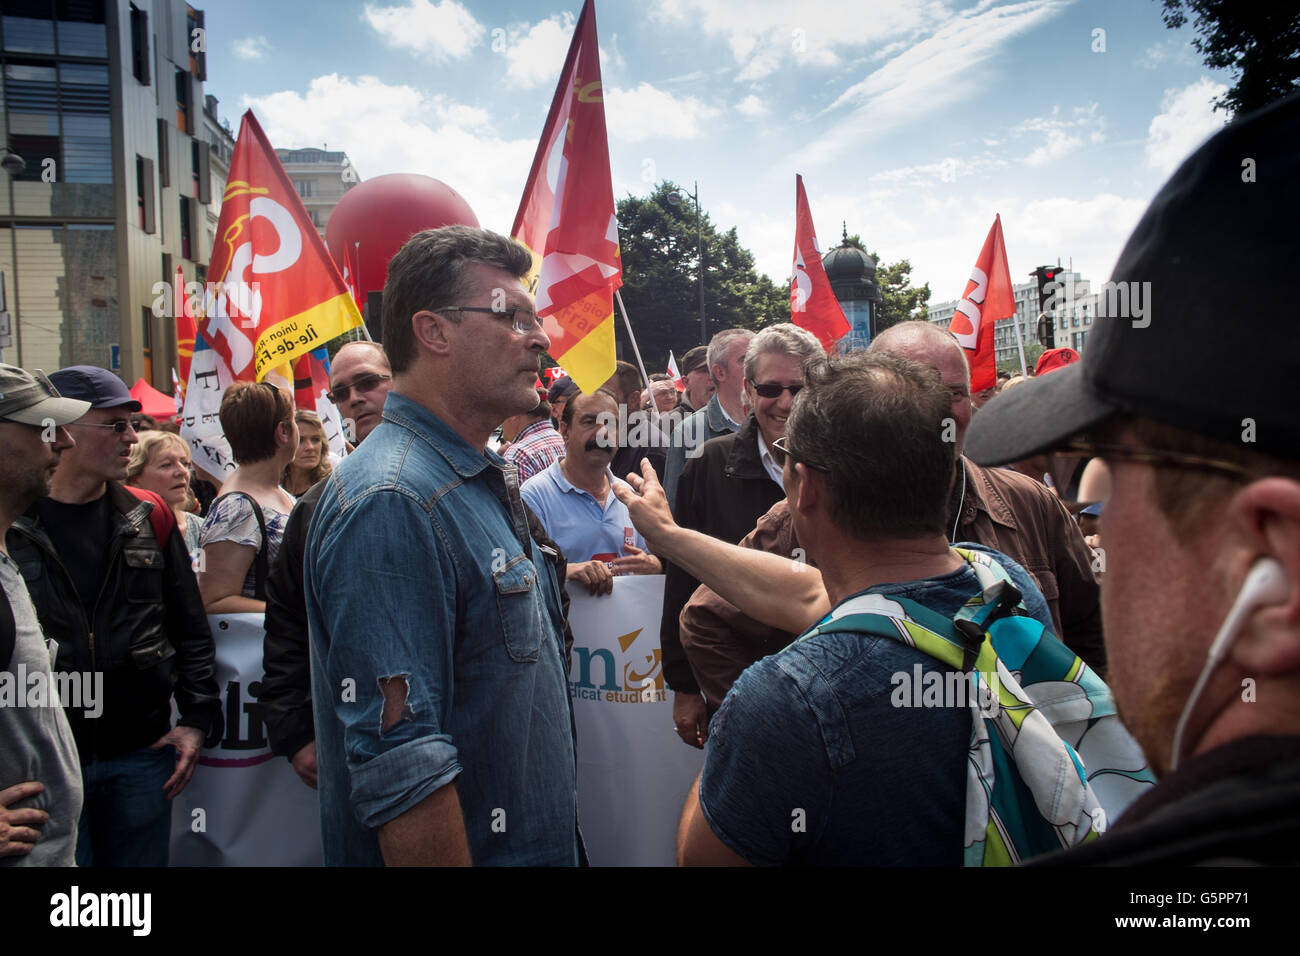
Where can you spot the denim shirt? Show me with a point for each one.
(420, 566)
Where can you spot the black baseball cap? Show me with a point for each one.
(562, 387)
(1196, 328)
(96, 385)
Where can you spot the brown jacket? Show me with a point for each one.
(1001, 509)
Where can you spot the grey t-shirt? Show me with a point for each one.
(36, 742)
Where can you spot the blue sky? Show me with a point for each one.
(914, 120)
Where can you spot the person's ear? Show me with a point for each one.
(808, 493)
(1267, 514)
(430, 329)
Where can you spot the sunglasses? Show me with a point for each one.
(773, 390)
(366, 383)
(119, 426)
(781, 451)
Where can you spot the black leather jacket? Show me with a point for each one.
(149, 635)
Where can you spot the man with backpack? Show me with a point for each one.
(113, 588)
(904, 728)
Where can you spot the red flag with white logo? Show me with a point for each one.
(675, 373)
(988, 298)
(275, 293)
(813, 305)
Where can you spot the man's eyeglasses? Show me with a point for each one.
(781, 451)
(522, 321)
(1156, 456)
(119, 426)
(773, 390)
(366, 383)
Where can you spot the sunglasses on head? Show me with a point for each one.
(366, 383)
(773, 390)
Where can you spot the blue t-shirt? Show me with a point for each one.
(583, 527)
(810, 763)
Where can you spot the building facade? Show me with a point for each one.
(103, 100)
(321, 177)
(1071, 319)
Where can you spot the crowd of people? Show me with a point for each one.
(1095, 569)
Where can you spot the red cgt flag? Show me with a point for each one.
(813, 305)
(275, 293)
(184, 330)
(988, 298)
(566, 217)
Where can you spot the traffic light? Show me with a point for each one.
(1045, 275)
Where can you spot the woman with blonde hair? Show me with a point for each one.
(160, 462)
(312, 462)
(246, 522)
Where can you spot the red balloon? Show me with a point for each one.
(382, 213)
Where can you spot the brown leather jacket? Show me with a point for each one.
(1000, 509)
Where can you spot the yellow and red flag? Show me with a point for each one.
(566, 218)
(275, 293)
(813, 305)
(988, 298)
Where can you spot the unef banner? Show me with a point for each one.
(244, 805)
(276, 293)
(633, 770)
(988, 298)
(566, 218)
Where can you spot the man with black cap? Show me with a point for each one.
(40, 776)
(113, 587)
(1201, 528)
(695, 373)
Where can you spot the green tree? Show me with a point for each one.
(1258, 41)
(899, 301)
(657, 243)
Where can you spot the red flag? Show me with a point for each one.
(566, 217)
(813, 305)
(352, 274)
(988, 297)
(275, 291)
(184, 330)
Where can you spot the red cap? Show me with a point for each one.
(1053, 359)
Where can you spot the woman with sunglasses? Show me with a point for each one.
(245, 524)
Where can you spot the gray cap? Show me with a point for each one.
(32, 400)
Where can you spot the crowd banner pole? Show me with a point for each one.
(654, 408)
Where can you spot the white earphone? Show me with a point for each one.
(1266, 583)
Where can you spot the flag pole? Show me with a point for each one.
(1015, 320)
(654, 407)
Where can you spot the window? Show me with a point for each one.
(202, 162)
(306, 187)
(187, 243)
(35, 150)
(140, 44)
(144, 202)
(81, 28)
(182, 100)
(164, 154)
(196, 40)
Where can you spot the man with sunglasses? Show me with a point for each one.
(119, 603)
(724, 492)
(444, 729)
(1201, 527)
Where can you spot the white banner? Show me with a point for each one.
(244, 806)
(633, 769)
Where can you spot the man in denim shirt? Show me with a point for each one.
(444, 728)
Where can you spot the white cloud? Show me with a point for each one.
(1174, 50)
(1185, 120)
(928, 76)
(443, 30)
(398, 129)
(1057, 136)
(536, 54)
(611, 56)
(1058, 144)
(751, 106)
(650, 113)
(765, 34)
(252, 48)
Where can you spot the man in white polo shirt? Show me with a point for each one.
(575, 501)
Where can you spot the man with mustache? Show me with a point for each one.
(575, 501)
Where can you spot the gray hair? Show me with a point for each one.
(784, 338)
(718, 345)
